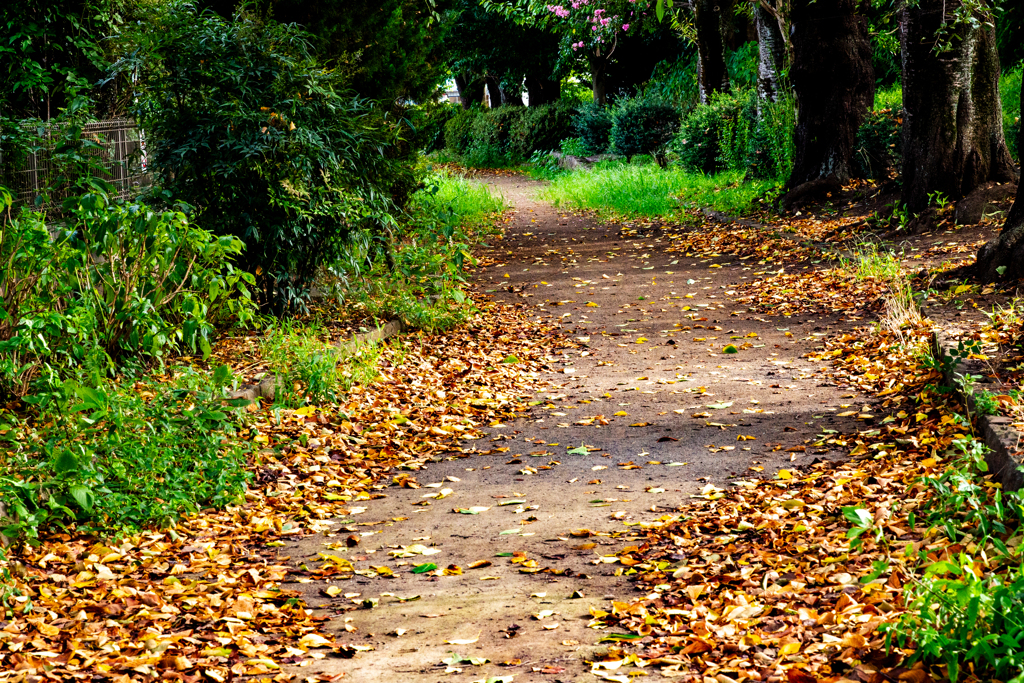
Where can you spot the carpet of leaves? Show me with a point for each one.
(759, 582)
(203, 601)
(814, 291)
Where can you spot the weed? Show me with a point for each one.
(966, 606)
(304, 365)
(112, 458)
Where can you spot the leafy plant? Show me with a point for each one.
(644, 126)
(593, 125)
(878, 147)
(573, 147)
(966, 607)
(124, 457)
(120, 281)
(287, 162)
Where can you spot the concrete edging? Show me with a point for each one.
(1004, 456)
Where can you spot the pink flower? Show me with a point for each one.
(625, 27)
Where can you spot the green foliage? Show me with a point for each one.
(889, 98)
(52, 51)
(424, 288)
(539, 129)
(643, 126)
(573, 147)
(121, 457)
(966, 608)
(726, 133)
(506, 135)
(286, 162)
(116, 282)
(308, 369)
(593, 125)
(879, 144)
(676, 82)
(427, 122)
(1009, 92)
(489, 137)
(457, 136)
(634, 189)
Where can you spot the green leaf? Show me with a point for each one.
(65, 462)
(83, 495)
(424, 568)
(222, 375)
(719, 406)
(858, 516)
(511, 502)
(511, 358)
(660, 10)
(582, 450)
(614, 637)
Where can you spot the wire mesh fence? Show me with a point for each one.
(36, 181)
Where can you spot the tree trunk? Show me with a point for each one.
(834, 83)
(471, 90)
(599, 78)
(1003, 257)
(543, 90)
(493, 92)
(953, 124)
(712, 75)
(771, 54)
(509, 98)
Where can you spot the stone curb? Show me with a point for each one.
(1004, 457)
(265, 387)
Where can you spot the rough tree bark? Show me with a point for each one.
(771, 49)
(709, 22)
(1003, 257)
(953, 127)
(834, 83)
(471, 90)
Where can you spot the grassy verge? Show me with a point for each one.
(646, 190)
(422, 283)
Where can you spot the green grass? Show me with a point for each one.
(646, 190)
(890, 97)
(1009, 92)
(447, 218)
(454, 200)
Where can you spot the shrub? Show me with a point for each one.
(286, 161)
(428, 124)
(878, 144)
(457, 130)
(121, 281)
(726, 133)
(540, 129)
(643, 126)
(593, 125)
(125, 458)
(490, 137)
(699, 142)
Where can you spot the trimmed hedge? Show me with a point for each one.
(506, 135)
(642, 126)
(725, 134)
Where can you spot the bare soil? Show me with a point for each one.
(629, 347)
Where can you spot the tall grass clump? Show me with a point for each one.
(646, 190)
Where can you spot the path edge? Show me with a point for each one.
(1004, 456)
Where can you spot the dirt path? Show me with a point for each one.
(643, 382)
